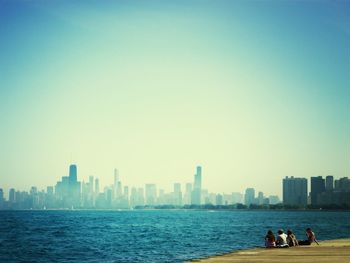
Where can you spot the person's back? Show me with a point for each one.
(291, 239)
(281, 239)
(270, 240)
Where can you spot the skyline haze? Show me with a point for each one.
(251, 91)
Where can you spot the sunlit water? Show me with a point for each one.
(149, 236)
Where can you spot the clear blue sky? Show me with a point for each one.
(251, 90)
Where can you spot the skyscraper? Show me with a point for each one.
(73, 173)
(12, 195)
(151, 194)
(295, 191)
(97, 187)
(317, 187)
(115, 184)
(329, 183)
(249, 197)
(188, 193)
(177, 194)
(197, 187)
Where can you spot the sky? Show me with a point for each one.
(252, 91)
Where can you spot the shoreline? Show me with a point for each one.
(336, 250)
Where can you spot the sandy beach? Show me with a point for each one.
(328, 251)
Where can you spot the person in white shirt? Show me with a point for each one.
(281, 239)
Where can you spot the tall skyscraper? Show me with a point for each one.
(249, 197)
(197, 187)
(329, 183)
(73, 173)
(317, 188)
(295, 191)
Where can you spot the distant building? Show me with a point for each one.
(219, 199)
(295, 191)
(274, 199)
(237, 198)
(342, 185)
(2, 199)
(68, 191)
(317, 187)
(97, 187)
(151, 194)
(329, 183)
(261, 198)
(197, 187)
(177, 194)
(249, 197)
(188, 193)
(12, 196)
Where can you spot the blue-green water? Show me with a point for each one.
(149, 236)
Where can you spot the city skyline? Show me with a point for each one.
(195, 184)
(251, 90)
(70, 193)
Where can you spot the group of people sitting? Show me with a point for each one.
(288, 240)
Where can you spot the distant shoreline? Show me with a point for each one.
(186, 209)
(335, 250)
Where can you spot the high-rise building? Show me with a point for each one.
(115, 184)
(12, 195)
(140, 196)
(72, 173)
(317, 188)
(294, 191)
(249, 197)
(342, 184)
(91, 185)
(197, 187)
(329, 183)
(188, 193)
(219, 199)
(97, 187)
(151, 194)
(260, 198)
(177, 194)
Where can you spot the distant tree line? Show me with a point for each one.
(239, 206)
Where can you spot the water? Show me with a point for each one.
(150, 236)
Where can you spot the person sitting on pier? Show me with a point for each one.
(270, 240)
(281, 239)
(310, 238)
(291, 239)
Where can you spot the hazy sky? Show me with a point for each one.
(251, 90)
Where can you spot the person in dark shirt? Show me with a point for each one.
(270, 239)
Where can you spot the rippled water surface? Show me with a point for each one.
(149, 236)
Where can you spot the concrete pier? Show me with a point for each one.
(328, 251)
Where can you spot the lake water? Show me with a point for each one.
(150, 235)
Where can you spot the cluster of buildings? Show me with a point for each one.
(324, 191)
(69, 193)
